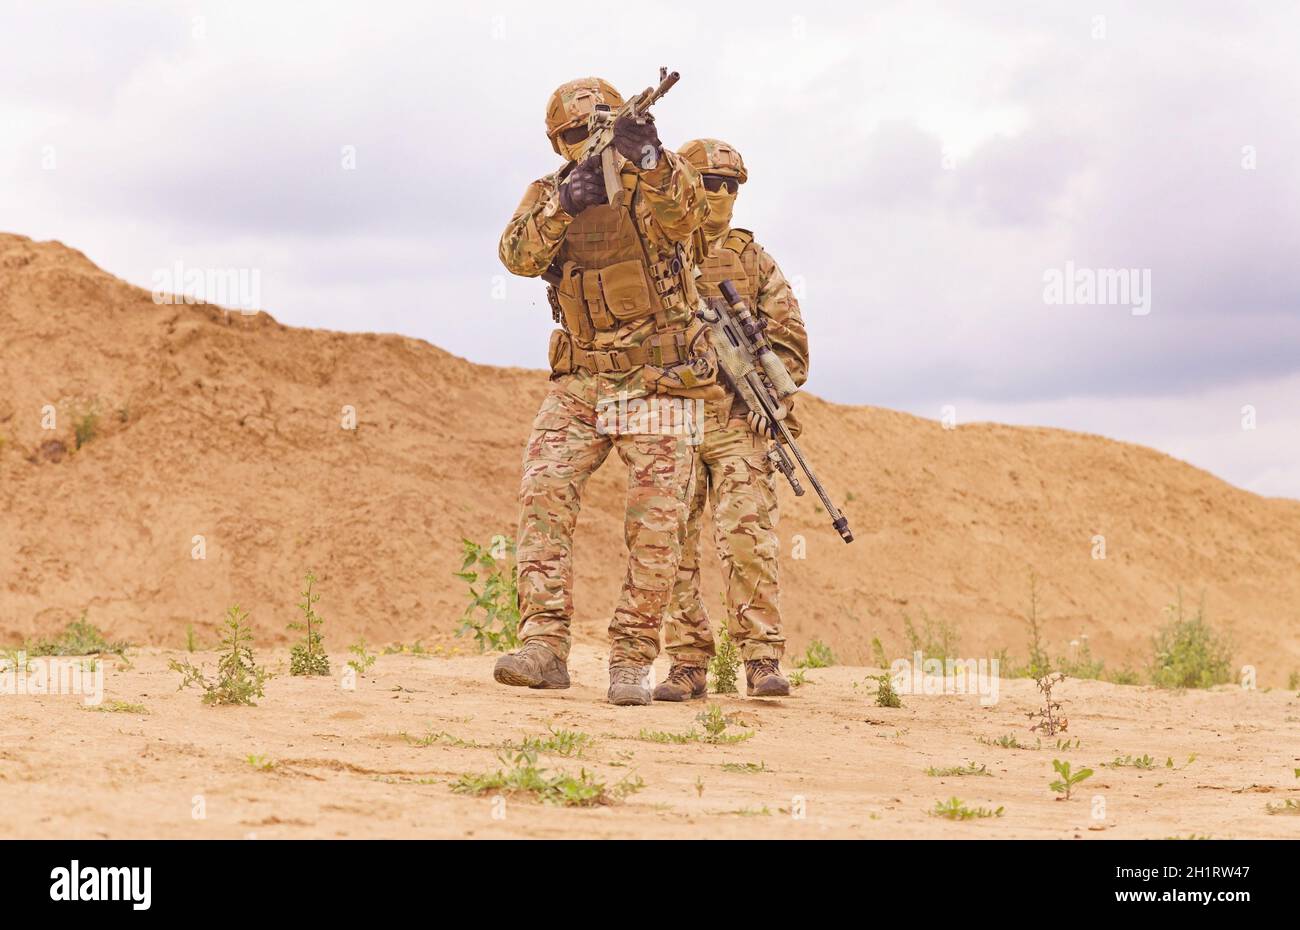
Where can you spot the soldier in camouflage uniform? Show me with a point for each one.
(734, 471)
(625, 301)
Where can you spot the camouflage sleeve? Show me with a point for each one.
(776, 302)
(674, 194)
(535, 231)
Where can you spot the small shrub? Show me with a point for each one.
(937, 639)
(886, 696)
(878, 653)
(1080, 662)
(363, 659)
(969, 768)
(239, 679)
(1123, 676)
(1068, 779)
(79, 638)
(817, 655)
(560, 742)
(1039, 664)
(724, 667)
(748, 768)
(493, 612)
(1188, 653)
(956, 809)
(120, 707)
(1050, 721)
(1137, 762)
(714, 733)
(519, 774)
(308, 657)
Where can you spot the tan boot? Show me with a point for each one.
(763, 678)
(629, 685)
(533, 666)
(684, 683)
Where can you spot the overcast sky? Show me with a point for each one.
(920, 170)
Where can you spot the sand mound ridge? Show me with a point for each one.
(229, 426)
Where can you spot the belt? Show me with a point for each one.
(661, 350)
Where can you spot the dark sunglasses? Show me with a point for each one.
(575, 135)
(715, 182)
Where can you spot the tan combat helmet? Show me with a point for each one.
(711, 156)
(571, 103)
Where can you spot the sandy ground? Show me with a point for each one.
(344, 769)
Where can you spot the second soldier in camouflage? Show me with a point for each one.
(734, 472)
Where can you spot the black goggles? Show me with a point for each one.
(575, 135)
(716, 182)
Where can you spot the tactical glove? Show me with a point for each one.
(638, 141)
(583, 188)
(760, 425)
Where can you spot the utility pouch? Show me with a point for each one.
(625, 291)
(699, 368)
(573, 310)
(560, 352)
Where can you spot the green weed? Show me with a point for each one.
(886, 696)
(493, 612)
(956, 809)
(969, 768)
(817, 655)
(239, 679)
(724, 667)
(1068, 778)
(308, 657)
(1188, 653)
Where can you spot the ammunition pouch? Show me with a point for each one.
(569, 297)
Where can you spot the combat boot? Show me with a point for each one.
(684, 683)
(629, 684)
(763, 678)
(533, 666)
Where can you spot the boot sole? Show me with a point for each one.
(679, 700)
(508, 676)
(631, 700)
(779, 692)
(545, 685)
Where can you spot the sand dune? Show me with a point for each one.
(228, 427)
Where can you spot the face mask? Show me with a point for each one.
(720, 204)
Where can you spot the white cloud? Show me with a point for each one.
(918, 165)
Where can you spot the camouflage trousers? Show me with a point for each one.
(736, 476)
(565, 447)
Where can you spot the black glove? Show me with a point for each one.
(583, 188)
(638, 142)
